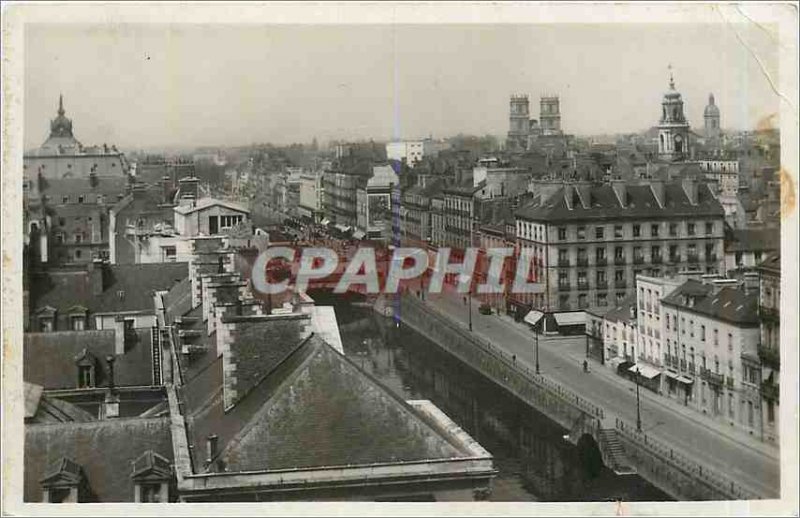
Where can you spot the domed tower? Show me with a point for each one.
(518, 122)
(711, 118)
(673, 129)
(61, 137)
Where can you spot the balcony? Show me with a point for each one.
(656, 259)
(638, 259)
(564, 287)
(563, 262)
(691, 368)
(583, 286)
(729, 382)
(619, 283)
(769, 357)
(693, 258)
(713, 378)
(675, 258)
(712, 258)
(601, 285)
(619, 260)
(583, 261)
(770, 390)
(683, 365)
(600, 261)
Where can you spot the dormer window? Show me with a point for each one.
(152, 474)
(46, 324)
(64, 483)
(78, 323)
(86, 363)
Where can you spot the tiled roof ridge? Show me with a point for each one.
(99, 423)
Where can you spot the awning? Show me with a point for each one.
(670, 374)
(624, 366)
(341, 228)
(616, 360)
(572, 318)
(533, 317)
(685, 380)
(359, 234)
(646, 371)
(325, 221)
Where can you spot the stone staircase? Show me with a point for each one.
(613, 452)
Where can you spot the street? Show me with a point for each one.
(743, 459)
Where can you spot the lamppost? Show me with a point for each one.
(638, 409)
(536, 345)
(468, 278)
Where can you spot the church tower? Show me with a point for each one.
(711, 118)
(518, 122)
(673, 129)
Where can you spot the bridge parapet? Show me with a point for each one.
(623, 449)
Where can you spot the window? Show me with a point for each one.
(65, 199)
(602, 299)
(620, 296)
(80, 199)
(582, 278)
(683, 325)
(46, 324)
(654, 230)
(673, 253)
(61, 222)
(716, 337)
(581, 232)
(618, 231)
(563, 257)
(730, 342)
(690, 229)
(599, 232)
(637, 229)
(78, 238)
(78, 254)
(619, 253)
(562, 278)
(673, 229)
(601, 276)
(667, 320)
(562, 233)
(600, 254)
(59, 495)
(655, 252)
(709, 228)
(770, 411)
(85, 376)
(150, 493)
(702, 333)
(619, 275)
(78, 323)
(582, 301)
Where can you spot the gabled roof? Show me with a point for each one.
(326, 412)
(63, 471)
(151, 465)
(771, 263)
(622, 311)
(105, 450)
(205, 203)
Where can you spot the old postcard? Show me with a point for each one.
(400, 258)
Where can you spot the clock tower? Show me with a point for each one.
(673, 129)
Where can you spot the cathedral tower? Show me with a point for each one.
(519, 122)
(711, 118)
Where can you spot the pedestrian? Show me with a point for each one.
(514, 358)
(465, 301)
(585, 366)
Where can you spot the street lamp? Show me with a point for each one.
(638, 409)
(468, 278)
(536, 345)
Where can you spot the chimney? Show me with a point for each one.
(657, 186)
(211, 450)
(751, 282)
(188, 187)
(691, 188)
(120, 338)
(111, 402)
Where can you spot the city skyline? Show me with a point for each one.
(327, 84)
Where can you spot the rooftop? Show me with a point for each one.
(735, 305)
(748, 240)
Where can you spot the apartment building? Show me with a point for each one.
(770, 344)
(588, 242)
(340, 198)
(711, 332)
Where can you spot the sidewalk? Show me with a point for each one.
(577, 352)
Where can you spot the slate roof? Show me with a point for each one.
(62, 289)
(326, 412)
(106, 185)
(49, 359)
(730, 304)
(603, 204)
(747, 240)
(622, 311)
(178, 300)
(105, 451)
(772, 262)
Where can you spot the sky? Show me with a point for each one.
(140, 86)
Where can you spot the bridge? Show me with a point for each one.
(622, 447)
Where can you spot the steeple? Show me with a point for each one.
(671, 79)
(61, 104)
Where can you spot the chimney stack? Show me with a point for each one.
(111, 402)
(166, 185)
(139, 191)
(751, 282)
(211, 450)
